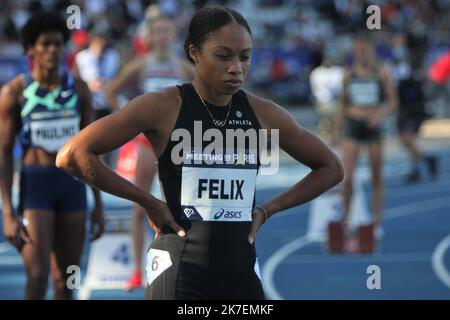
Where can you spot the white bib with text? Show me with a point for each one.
(217, 194)
(51, 135)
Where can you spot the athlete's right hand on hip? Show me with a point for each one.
(161, 216)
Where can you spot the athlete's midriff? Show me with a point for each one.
(39, 157)
(360, 113)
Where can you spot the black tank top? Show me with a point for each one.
(204, 179)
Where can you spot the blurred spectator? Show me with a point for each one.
(326, 86)
(411, 115)
(97, 65)
(299, 27)
(141, 43)
(80, 41)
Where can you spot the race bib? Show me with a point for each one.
(157, 262)
(51, 135)
(217, 194)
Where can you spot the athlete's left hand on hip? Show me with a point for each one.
(258, 219)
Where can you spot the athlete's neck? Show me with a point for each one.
(364, 67)
(97, 49)
(47, 78)
(211, 95)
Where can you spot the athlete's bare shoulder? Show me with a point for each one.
(11, 91)
(16, 84)
(166, 100)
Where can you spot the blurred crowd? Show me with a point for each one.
(291, 37)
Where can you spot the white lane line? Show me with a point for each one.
(273, 262)
(360, 210)
(417, 189)
(416, 207)
(437, 261)
(396, 212)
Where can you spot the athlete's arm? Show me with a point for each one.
(303, 146)
(130, 72)
(97, 217)
(146, 113)
(9, 116)
(392, 99)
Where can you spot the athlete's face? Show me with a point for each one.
(162, 33)
(48, 49)
(223, 61)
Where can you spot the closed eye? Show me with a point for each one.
(223, 57)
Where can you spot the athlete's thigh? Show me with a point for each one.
(349, 154)
(376, 158)
(169, 277)
(40, 226)
(71, 196)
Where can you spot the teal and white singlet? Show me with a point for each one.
(49, 118)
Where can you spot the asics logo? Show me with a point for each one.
(227, 214)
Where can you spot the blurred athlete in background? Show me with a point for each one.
(366, 85)
(47, 107)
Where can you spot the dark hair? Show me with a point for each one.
(209, 19)
(39, 23)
